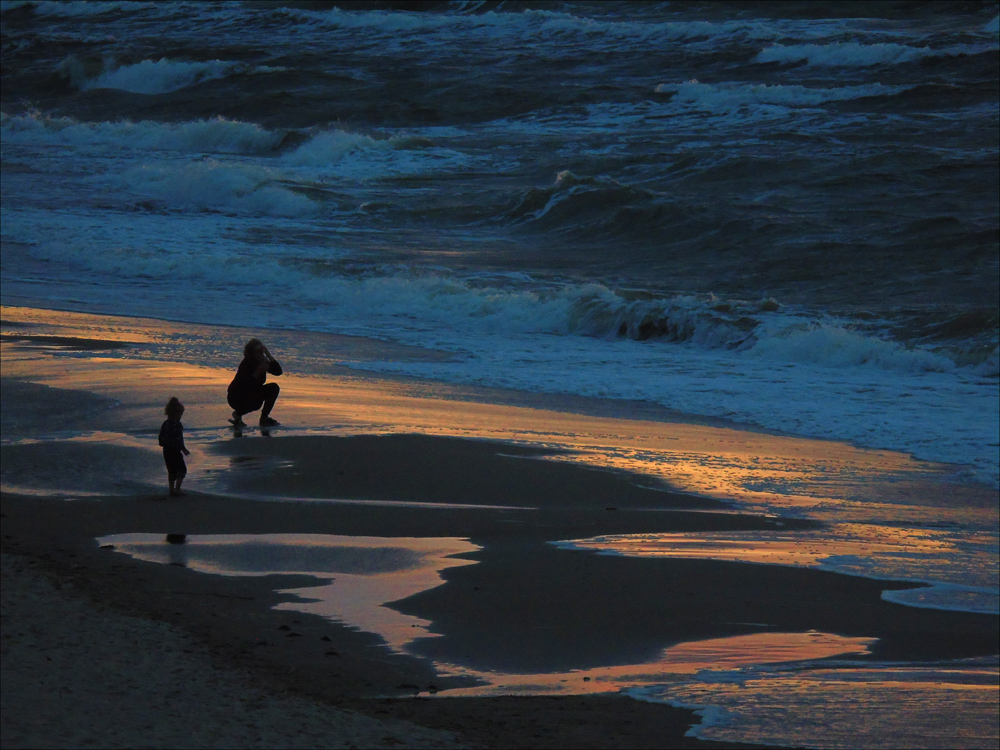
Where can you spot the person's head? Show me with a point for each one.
(253, 348)
(174, 408)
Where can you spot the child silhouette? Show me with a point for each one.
(172, 441)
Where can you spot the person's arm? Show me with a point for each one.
(272, 364)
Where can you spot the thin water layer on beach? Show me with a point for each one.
(363, 573)
(71, 464)
(675, 664)
(883, 516)
(366, 574)
(811, 689)
(957, 570)
(844, 704)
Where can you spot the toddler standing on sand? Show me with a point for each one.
(172, 440)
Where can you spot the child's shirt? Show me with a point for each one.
(172, 435)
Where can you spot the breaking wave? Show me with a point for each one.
(217, 135)
(855, 54)
(215, 186)
(534, 22)
(725, 96)
(161, 76)
(760, 329)
(77, 7)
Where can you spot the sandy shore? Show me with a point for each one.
(170, 647)
(80, 675)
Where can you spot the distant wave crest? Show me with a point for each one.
(761, 329)
(81, 7)
(215, 186)
(531, 22)
(161, 76)
(854, 54)
(571, 197)
(217, 135)
(724, 96)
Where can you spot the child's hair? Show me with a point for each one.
(251, 345)
(174, 408)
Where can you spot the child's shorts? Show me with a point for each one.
(174, 460)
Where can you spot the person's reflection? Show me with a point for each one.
(177, 554)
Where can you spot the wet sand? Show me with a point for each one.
(384, 451)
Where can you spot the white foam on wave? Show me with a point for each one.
(832, 345)
(331, 147)
(217, 135)
(842, 703)
(531, 21)
(990, 368)
(948, 596)
(553, 22)
(856, 54)
(78, 8)
(597, 311)
(875, 393)
(219, 186)
(164, 76)
(341, 152)
(726, 96)
(362, 157)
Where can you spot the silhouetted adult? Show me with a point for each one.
(248, 392)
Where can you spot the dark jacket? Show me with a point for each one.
(172, 435)
(246, 382)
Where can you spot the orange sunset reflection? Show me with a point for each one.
(356, 575)
(675, 663)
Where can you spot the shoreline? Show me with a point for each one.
(497, 475)
(327, 664)
(136, 332)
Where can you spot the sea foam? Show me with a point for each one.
(77, 8)
(723, 96)
(164, 76)
(214, 185)
(848, 54)
(217, 135)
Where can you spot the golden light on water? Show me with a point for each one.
(674, 664)
(368, 572)
(356, 575)
(874, 500)
(800, 548)
(759, 470)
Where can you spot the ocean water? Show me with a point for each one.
(772, 214)
(782, 214)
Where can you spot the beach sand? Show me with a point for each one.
(102, 648)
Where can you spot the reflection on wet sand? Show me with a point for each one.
(364, 573)
(676, 663)
(756, 468)
(958, 564)
(845, 704)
